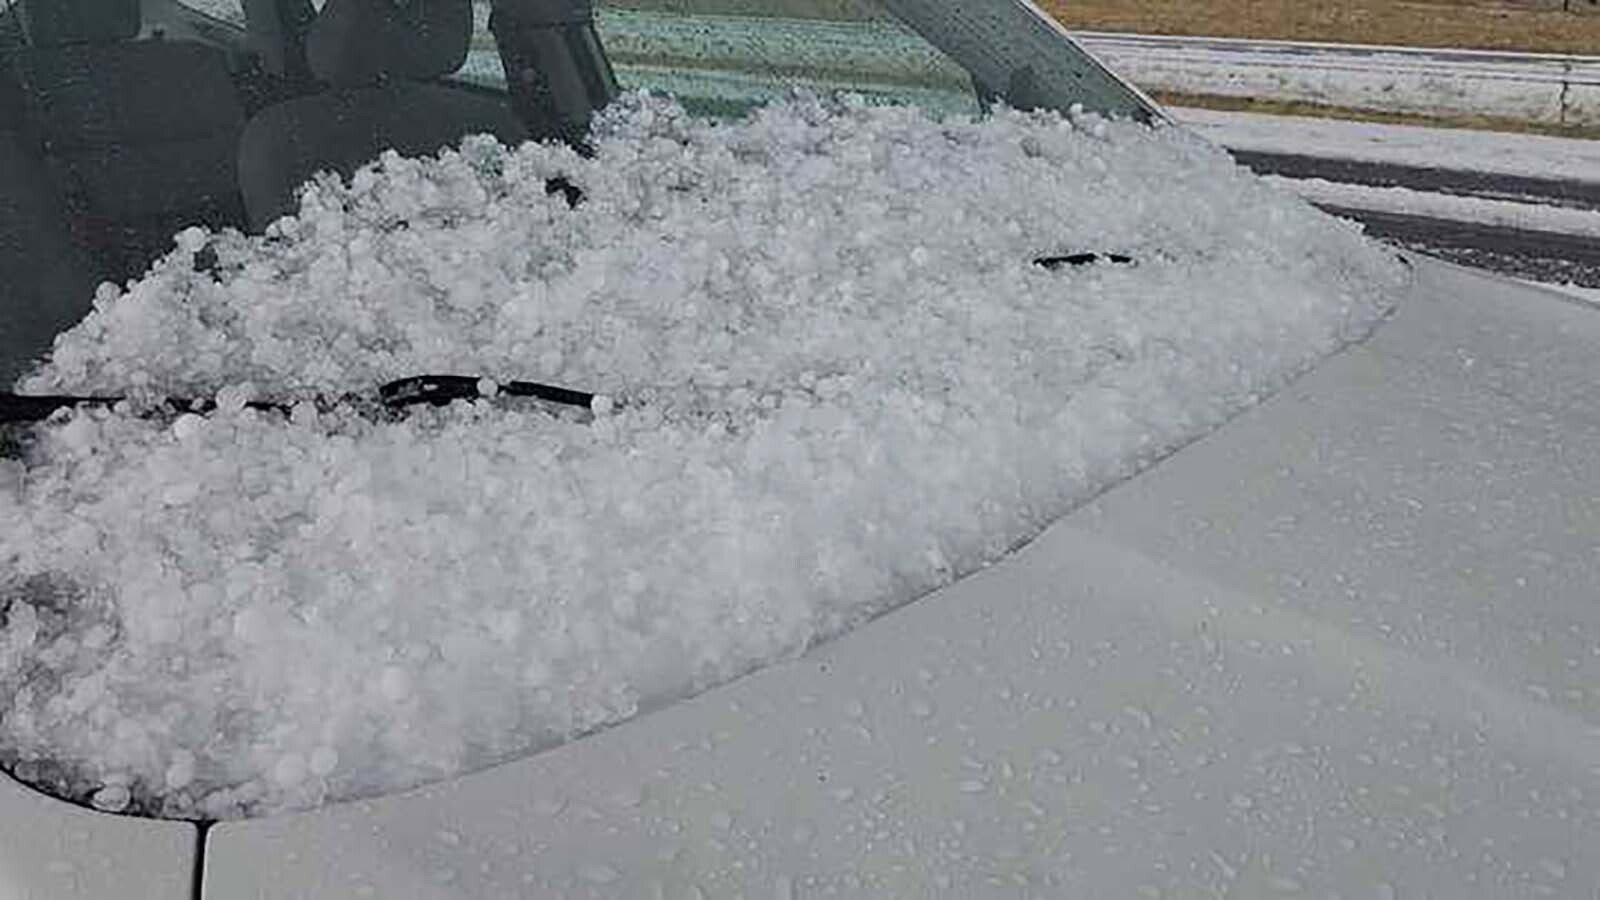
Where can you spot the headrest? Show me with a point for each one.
(362, 42)
(546, 14)
(47, 23)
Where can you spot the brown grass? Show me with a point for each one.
(1527, 25)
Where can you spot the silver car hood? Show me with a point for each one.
(1349, 644)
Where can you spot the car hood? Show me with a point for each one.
(1346, 644)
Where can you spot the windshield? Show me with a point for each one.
(722, 57)
(125, 122)
(402, 393)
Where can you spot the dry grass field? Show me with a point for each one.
(1527, 25)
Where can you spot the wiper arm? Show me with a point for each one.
(435, 390)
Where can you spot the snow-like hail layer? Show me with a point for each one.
(839, 382)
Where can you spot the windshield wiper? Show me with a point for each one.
(434, 390)
(1081, 259)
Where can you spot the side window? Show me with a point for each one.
(230, 11)
(722, 57)
(483, 66)
(10, 39)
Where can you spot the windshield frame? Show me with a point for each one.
(1019, 54)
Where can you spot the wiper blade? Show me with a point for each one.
(1081, 259)
(440, 390)
(435, 390)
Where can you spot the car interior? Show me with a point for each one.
(101, 162)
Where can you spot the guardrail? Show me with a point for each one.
(1548, 88)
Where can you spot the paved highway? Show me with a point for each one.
(1535, 254)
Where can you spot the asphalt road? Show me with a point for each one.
(1534, 255)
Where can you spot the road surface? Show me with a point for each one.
(1522, 205)
(1543, 254)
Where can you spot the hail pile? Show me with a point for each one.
(835, 380)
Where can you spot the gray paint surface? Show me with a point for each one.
(50, 850)
(1347, 644)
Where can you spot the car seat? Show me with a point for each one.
(378, 59)
(277, 30)
(137, 157)
(46, 284)
(556, 68)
